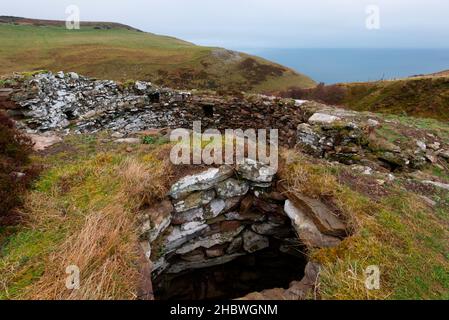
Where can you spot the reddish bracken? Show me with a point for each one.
(16, 173)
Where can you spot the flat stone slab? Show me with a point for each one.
(232, 188)
(210, 241)
(196, 214)
(322, 118)
(179, 267)
(194, 200)
(158, 218)
(440, 185)
(182, 234)
(200, 182)
(255, 171)
(298, 290)
(307, 230)
(42, 142)
(324, 219)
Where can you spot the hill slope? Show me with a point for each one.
(419, 97)
(118, 52)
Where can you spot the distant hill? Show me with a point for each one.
(119, 52)
(425, 96)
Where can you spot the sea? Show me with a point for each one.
(355, 65)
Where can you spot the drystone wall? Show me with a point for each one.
(225, 213)
(57, 104)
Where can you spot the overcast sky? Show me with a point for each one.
(264, 23)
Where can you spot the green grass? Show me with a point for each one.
(122, 54)
(418, 97)
(404, 237)
(398, 232)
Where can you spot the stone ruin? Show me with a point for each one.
(236, 233)
(50, 104)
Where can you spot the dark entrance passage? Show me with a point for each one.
(266, 269)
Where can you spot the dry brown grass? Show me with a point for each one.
(97, 230)
(105, 251)
(146, 181)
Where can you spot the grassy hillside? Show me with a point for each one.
(118, 52)
(419, 97)
(84, 207)
(422, 97)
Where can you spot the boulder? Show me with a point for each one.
(158, 218)
(196, 214)
(440, 185)
(159, 266)
(298, 290)
(232, 188)
(214, 208)
(307, 230)
(42, 142)
(199, 182)
(194, 200)
(182, 234)
(128, 141)
(141, 86)
(253, 242)
(256, 171)
(324, 218)
(322, 118)
(209, 241)
(309, 139)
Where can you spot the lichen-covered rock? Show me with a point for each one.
(253, 242)
(214, 208)
(322, 118)
(194, 200)
(196, 214)
(309, 139)
(256, 171)
(307, 230)
(325, 219)
(232, 188)
(249, 216)
(210, 241)
(182, 234)
(199, 182)
(235, 245)
(156, 220)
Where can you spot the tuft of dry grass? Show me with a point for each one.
(146, 181)
(84, 213)
(105, 251)
(397, 232)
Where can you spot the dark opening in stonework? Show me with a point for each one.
(266, 269)
(208, 110)
(155, 97)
